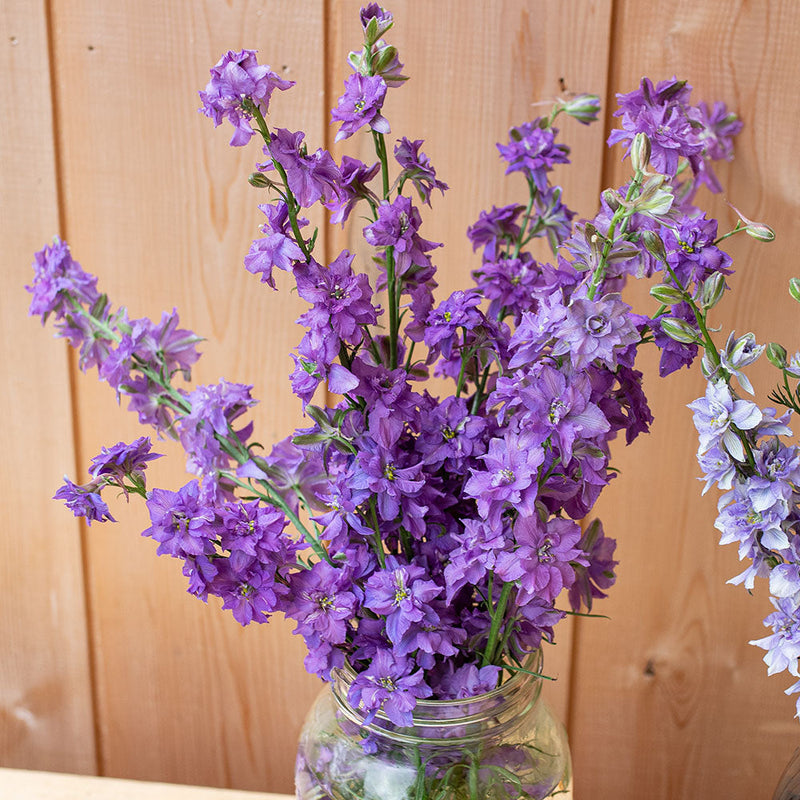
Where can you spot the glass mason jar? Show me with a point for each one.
(501, 745)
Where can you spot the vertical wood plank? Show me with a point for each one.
(477, 69)
(157, 205)
(669, 700)
(45, 693)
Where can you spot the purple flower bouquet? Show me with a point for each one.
(426, 546)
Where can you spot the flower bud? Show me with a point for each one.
(655, 199)
(654, 244)
(583, 107)
(667, 295)
(794, 288)
(760, 232)
(776, 354)
(611, 199)
(259, 180)
(713, 289)
(640, 152)
(679, 330)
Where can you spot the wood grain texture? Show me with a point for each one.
(669, 697)
(45, 690)
(157, 204)
(476, 70)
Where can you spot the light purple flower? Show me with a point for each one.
(389, 685)
(595, 329)
(85, 501)
(238, 77)
(361, 105)
(416, 167)
(718, 414)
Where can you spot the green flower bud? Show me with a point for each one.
(259, 180)
(384, 58)
(713, 289)
(640, 152)
(667, 295)
(612, 199)
(776, 354)
(679, 330)
(760, 232)
(655, 199)
(583, 107)
(654, 244)
(794, 288)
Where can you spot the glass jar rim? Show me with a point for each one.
(463, 712)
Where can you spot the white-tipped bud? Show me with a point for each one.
(640, 152)
(679, 330)
(758, 230)
(667, 295)
(776, 354)
(794, 288)
(713, 289)
(654, 244)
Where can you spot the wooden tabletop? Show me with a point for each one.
(21, 784)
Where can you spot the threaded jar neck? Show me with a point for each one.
(459, 721)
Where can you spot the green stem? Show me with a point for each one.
(620, 219)
(292, 205)
(498, 613)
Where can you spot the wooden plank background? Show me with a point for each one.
(107, 666)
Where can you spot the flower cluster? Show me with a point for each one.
(426, 540)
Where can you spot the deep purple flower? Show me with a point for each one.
(495, 230)
(416, 167)
(236, 78)
(551, 404)
(124, 461)
(355, 175)
(375, 20)
(254, 532)
(670, 124)
(182, 523)
(446, 322)
(397, 226)
(323, 601)
(85, 501)
(532, 149)
(475, 555)
(341, 299)
(389, 685)
(401, 595)
(599, 575)
(361, 105)
(509, 283)
(674, 354)
(310, 177)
